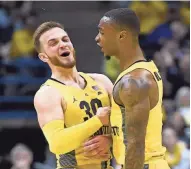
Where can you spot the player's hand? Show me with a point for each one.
(98, 147)
(103, 114)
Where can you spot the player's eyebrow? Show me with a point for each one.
(54, 39)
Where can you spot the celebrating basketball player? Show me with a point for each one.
(138, 90)
(74, 107)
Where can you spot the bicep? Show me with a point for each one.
(48, 105)
(135, 98)
(138, 115)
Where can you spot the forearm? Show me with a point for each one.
(135, 154)
(62, 140)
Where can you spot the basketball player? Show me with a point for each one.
(72, 106)
(138, 89)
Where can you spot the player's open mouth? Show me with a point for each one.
(65, 54)
(101, 48)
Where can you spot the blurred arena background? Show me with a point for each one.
(165, 38)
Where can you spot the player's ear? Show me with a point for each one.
(123, 35)
(43, 57)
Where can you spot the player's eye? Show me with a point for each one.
(53, 43)
(65, 39)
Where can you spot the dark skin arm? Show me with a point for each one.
(133, 92)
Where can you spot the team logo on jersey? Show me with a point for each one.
(99, 93)
(115, 130)
(74, 99)
(104, 130)
(96, 88)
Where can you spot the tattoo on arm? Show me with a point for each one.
(133, 94)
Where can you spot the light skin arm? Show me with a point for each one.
(49, 105)
(134, 95)
(100, 145)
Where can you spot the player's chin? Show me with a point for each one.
(69, 65)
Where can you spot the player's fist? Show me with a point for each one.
(103, 114)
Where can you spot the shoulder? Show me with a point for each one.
(49, 105)
(135, 85)
(46, 96)
(138, 78)
(103, 80)
(100, 77)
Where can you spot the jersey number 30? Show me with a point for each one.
(90, 107)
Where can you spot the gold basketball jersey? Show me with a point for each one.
(117, 124)
(153, 141)
(82, 104)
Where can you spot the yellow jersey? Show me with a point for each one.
(117, 128)
(81, 104)
(153, 140)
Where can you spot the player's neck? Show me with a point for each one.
(128, 57)
(65, 75)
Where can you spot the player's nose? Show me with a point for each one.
(62, 44)
(97, 38)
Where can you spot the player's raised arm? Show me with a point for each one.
(50, 108)
(134, 95)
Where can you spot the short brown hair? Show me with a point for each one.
(42, 29)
